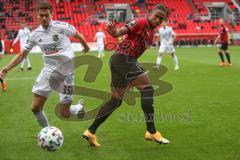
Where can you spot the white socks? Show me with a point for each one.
(175, 59)
(24, 61)
(74, 109)
(159, 60)
(42, 119)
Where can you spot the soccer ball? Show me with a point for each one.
(50, 138)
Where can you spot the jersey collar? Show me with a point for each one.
(50, 24)
(25, 28)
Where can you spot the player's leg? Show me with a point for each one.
(41, 90)
(143, 84)
(220, 53)
(225, 49)
(119, 67)
(22, 65)
(228, 57)
(175, 60)
(29, 63)
(99, 50)
(173, 55)
(106, 110)
(37, 109)
(159, 57)
(66, 109)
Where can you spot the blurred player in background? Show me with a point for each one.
(126, 72)
(225, 41)
(52, 38)
(1, 48)
(167, 37)
(3, 83)
(23, 35)
(99, 38)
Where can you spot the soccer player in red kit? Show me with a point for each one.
(225, 40)
(127, 72)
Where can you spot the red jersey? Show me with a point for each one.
(223, 34)
(139, 37)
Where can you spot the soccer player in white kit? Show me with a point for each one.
(52, 38)
(23, 35)
(100, 37)
(167, 37)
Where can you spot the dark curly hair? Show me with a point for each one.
(165, 10)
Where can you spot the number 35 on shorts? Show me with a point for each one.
(67, 89)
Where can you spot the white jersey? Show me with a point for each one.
(166, 35)
(100, 38)
(55, 46)
(23, 35)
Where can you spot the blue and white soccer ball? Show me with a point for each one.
(50, 138)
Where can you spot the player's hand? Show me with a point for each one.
(111, 29)
(229, 42)
(3, 73)
(86, 49)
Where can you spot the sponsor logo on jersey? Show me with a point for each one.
(55, 38)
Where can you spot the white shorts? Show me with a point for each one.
(166, 49)
(46, 82)
(100, 47)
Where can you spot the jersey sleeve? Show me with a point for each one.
(30, 43)
(68, 29)
(133, 26)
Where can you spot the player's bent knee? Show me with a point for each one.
(36, 109)
(147, 92)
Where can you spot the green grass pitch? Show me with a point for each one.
(202, 114)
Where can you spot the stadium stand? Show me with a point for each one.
(83, 14)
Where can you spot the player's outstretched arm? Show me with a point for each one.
(114, 32)
(82, 40)
(15, 40)
(14, 62)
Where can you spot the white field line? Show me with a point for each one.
(17, 79)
